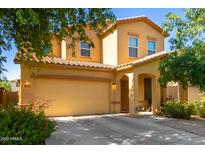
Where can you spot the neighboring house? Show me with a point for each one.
(15, 85)
(119, 75)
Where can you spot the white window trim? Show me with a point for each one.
(155, 46)
(132, 47)
(84, 49)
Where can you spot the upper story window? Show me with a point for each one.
(151, 47)
(133, 46)
(84, 49)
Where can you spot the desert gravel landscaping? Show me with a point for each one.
(125, 130)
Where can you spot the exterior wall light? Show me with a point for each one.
(27, 84)
(114, 86)
(156, 110)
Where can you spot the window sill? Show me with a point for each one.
(132, 57)
(86, 57)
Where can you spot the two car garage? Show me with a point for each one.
(73, 97)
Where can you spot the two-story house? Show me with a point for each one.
(119, 75)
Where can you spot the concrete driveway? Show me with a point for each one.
(122, 129)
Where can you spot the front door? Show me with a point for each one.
(148, 90)
(124, 96)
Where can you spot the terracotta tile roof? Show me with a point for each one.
(151, 57)
(56, 60)
(145, 59)
(60, 61)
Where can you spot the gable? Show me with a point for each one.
(139, 27)
(131, 20)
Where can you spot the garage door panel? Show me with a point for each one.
(66, 97)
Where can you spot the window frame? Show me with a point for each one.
(88, 49)
(152, 50)
(132, 47)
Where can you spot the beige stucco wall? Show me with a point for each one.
(135, 77)
(141, 85)
(136, 85)
(149, 69)
(96, 52)
(110, 48)
(194, 94)
(129, 73)
(56, 47)
(143, 30)
(27, 94)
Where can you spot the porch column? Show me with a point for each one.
(117, 101)
(136, 91)
(156, 95)
(115, 96)
(182, 93)
(132, 93)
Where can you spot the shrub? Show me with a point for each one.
(23, 126)
(176, 109)
(202, 110)
(195, 106)
(6, 85)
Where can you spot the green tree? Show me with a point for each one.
(31, 30)
(6, 85)
(187, 64)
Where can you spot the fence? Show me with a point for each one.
(172, 92)
(7, 96)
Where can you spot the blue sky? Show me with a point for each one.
(156, 15)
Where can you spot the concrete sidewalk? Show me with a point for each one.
(122, 129)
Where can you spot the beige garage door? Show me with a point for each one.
(66, 97)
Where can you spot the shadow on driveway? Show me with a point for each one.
(122, 129)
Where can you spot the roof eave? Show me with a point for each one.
(79, 67)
